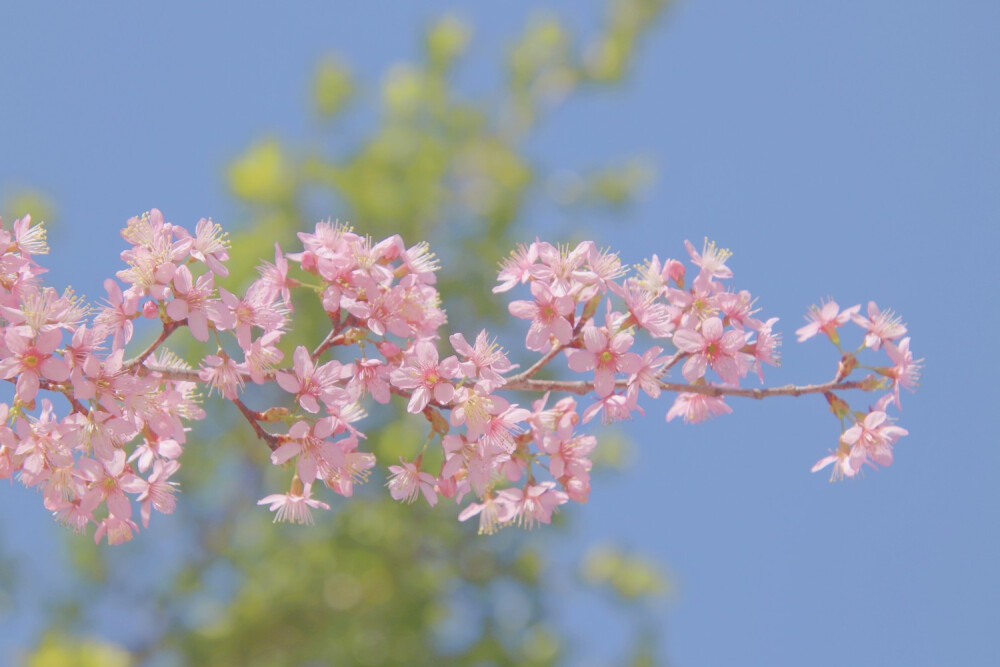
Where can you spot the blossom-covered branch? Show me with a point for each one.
(126, 419)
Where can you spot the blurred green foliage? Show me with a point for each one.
(18, 202)
(373, 582)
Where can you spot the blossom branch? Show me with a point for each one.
(335, 337)
(581, 387)
(271, 440)
(517, 462)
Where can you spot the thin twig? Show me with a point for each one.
(538, 365)
(272, 441)
(168, 328)
(335, 337)
(583, 387)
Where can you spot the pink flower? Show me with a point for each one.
(42, 445)
(315, 453)
(906, 372)
(881, 325)
(534, 503)
(408, 480)
(502, 426)
(841, 460)
(568, 457)
(548, 317)
(274, 277)
(75, 514)
(310, 383)
(355, 469)
(711, 261)
(222, 375)
(94, 378)
(41, 309)
(30, 361)
(261, 357)
(695, 408)
(605, 355)
(647, 376)
(516, 268)
(256, 309)
(294, 505)
(106, 485)
(872, 440)
(737, 307)
(765, 350)
(647, 312)
(826, 319)
(420, 261)
(485, 361)
(209, 245)
(380, 309)
(473, 407)
(30, 240)
(603, 268)
(426, 377)
(118, 530)
(712, 347)
(614, 407)
(154, 450)
(559, 267)
(194, 301)
(156, 491)
(371, 376)
(493, 512)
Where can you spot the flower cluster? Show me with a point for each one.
(711, 327)
(100, 434)
(871, 436)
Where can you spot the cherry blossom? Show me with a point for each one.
(31, 360)
(712, 346)
(882, 326)
(826, 319)
(605, 354)
(294, 505)
(97, 423)
(428, 378)
(548, 317)
(407, 481)
(695, 408)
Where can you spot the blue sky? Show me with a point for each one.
(843, 149)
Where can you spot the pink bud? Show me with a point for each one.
(447, 487)
(308, 262)
(674, 270)
(150, 310)
(391, 352)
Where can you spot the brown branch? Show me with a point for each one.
(335, 337)
(551, 354)
(168, 328)
(584, 387)
(63, 388)
(538, 365)
(271, 440)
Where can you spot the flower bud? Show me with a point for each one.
(837, 405)
(674, 270)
